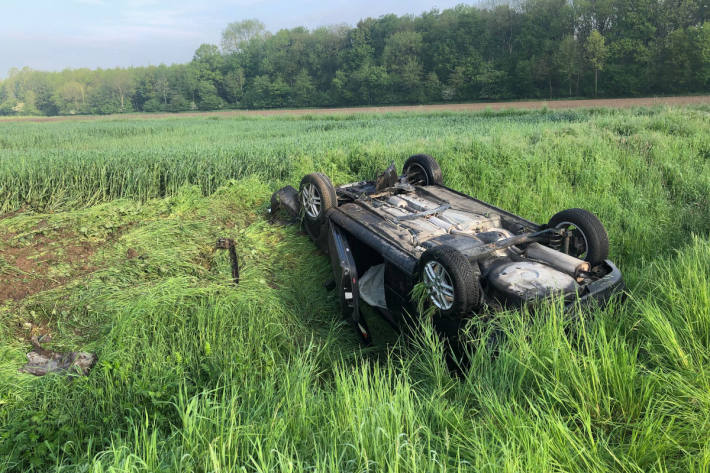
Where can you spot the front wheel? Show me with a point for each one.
(452, 282)
(316, 196)
(587, 237)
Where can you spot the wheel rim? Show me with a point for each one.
(580, 246)
(310, 200)
(438, 281)
(416, 175)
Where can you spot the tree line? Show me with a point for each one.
(532, 49)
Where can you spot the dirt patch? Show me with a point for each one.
(527, 105)
(27, 270)
(12, 214)
(48, 260)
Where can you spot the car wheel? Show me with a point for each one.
(316, 196)
(275, 204)
(589, 240)
(452, 282)
(423, 170)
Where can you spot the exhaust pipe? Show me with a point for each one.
(558, 260)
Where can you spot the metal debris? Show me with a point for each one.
(41, 361)
(228, 244)
(285, 199)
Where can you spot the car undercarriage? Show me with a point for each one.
(387, 235)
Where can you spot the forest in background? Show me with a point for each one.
(533, 49)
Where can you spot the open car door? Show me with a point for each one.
(346, 280)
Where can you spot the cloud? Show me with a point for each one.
(135, 33)
(48, 34)
(138, 21)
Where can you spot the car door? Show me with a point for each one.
(346, 279)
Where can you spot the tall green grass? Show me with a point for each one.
(639, 170)
(196, 375)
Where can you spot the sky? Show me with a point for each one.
(52, 35)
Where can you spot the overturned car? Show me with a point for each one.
(385, 236)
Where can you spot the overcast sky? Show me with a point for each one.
(56, 34)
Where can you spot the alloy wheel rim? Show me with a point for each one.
(438, 281)
(311, 200)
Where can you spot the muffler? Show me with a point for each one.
(558, 260)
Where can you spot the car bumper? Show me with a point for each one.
(601, 291)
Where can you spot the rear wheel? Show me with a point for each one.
(588, 239)
(423, 170)
(316, 196)
(451, 281)
(275, 203)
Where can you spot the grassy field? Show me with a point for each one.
(536, 104)
(106, 243)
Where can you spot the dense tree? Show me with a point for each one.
(238, 34)
(596, 51)
(685, 56)
(568, 60)
(71, 97)
(526, 49)
(401, 57)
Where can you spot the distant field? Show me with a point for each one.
(107, 229)
(458, 107)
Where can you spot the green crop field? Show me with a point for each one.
(107, 233)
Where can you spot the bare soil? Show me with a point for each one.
(527, 105)
(30, 265)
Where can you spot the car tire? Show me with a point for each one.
(316, 196)
(423, 170)
(592, 243)
(275, 204)
(452, 282)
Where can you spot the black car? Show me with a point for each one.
(385, 236)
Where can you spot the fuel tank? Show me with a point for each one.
(524, 281)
